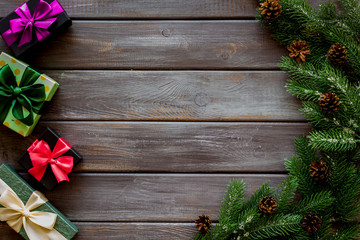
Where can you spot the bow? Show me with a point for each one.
(27, 95)
(41, 155)
(37, 225)
(23, 27)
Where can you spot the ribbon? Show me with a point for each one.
(27, 95)
(23, 27)
(41, 155)
(37, 225)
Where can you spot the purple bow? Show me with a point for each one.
(40, 21)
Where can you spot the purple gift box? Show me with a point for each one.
(32, 23)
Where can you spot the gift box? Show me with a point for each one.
(50, 159)
(28, 212)
(32, 23)
(24, 94)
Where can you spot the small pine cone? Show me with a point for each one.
(329, 102)
(319, 170)
(337, 54)
(268, 205)
(270, 9)
(311, 223)
(203, 223)
(299, 50)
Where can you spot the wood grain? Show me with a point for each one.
(169, 147)
(151, 9)
(150, 180)
(156, 45)
(135, 231)
(172, 96)
(120, 231)
(147, 197)
(159, 9)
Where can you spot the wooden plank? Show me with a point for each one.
(147, 197)
(169, 147)
(120, 231)
(152, 9)
(159, 9)
(7, 233)
(172, 96)
(156, 45)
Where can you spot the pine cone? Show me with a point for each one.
(203, 223)
(270, 9)
(311, 223)
(268, 205)
(337, 54)
(319, 170)
(299, 50)
(329, 102)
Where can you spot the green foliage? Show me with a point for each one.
(334, 138)
(233, 202)
(316, 202)
(239, 219)
(276, 226)
(285, 195)
(345, 232)
(298, 168)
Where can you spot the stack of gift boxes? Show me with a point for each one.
(24, 95)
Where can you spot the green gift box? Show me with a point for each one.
(24, 93)
(35, 218)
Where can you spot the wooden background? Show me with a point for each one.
(168, 101)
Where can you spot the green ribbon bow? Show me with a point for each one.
(28, 95)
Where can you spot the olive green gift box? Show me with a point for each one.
(18, 69)
(24, 191)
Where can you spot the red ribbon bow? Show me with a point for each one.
(41, 155)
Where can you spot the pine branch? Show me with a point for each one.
(255, 198)
(233, 202)
(345, 182)
(298, 168)
(349, 231)
(323, 121)
(352, 12)
(317, 202)
(279, 225)
(285, 195)
(332, 140)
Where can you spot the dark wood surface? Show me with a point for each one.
(152, 9)
(173, 96)
(154, 45)
(170, 146)
(167, 101)
(121, 231)
(146, 9)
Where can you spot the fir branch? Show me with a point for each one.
(323, 121)
(340, 85)
(345, 182)
(233, 202)
(255, 198)
(318, 118)
(352, 13)
(279, 225)
(317, 202)
(285, 195)
(348, 231)
(299, 171)
(332, 140)
(303, 91)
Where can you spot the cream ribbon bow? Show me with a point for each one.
(37, 225)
